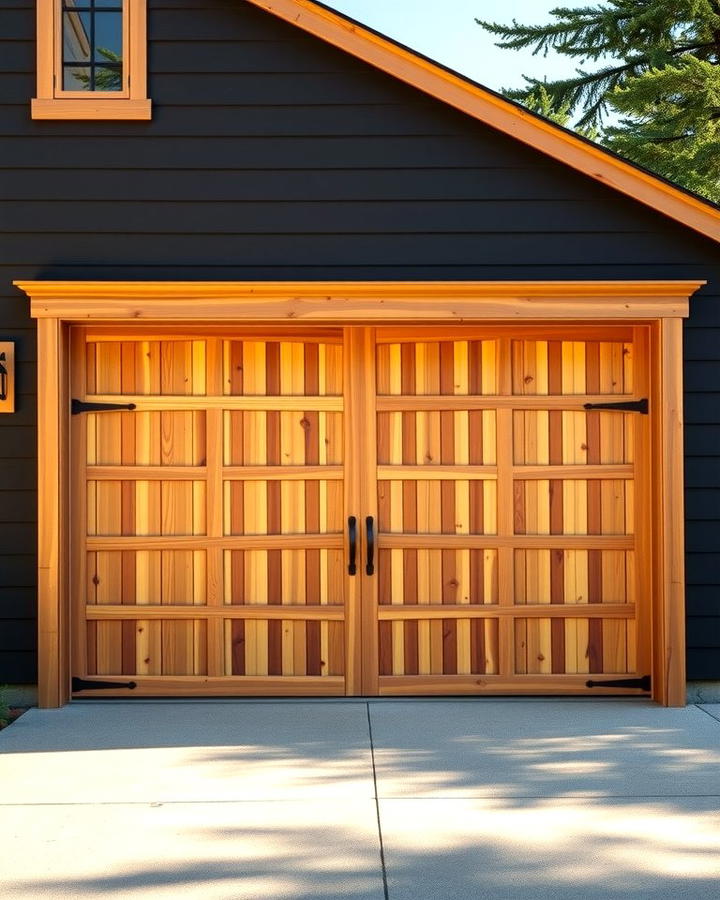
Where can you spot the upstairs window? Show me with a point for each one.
(92, 60)
(92, 45)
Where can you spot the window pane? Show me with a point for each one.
(108, 78)
(76, 78)
(76, 36)
(108, 4)
(108, 36)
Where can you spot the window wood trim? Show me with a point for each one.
(52, 102)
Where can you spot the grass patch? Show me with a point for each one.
(8, 714)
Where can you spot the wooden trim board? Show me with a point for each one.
(345, 302)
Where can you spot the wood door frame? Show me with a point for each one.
(56, 305)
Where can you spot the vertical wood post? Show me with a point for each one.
(669, 634)
(53, 673)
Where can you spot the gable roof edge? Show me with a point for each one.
(510, 118)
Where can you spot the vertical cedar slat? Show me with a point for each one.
(555, 487)
(237, 628)
(449, 634)
(275, 646)
(272, 363)
(274, 455)
(505, 524)
(91, 649)
(411, 649)
(385, 648)
(237, 562)
(313, 665)
(594, 520)
(83, 568)
(274, 579)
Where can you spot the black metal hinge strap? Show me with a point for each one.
(642, 683)
(82, 684)
(81, 406)
(640, 406)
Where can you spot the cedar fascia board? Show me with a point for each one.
(499, 113)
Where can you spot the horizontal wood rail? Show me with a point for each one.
(237, 611)
(143, 473)
(428, 472)
(573, 473)
(396, 612)
(435, 472)
(331, 540)
(489, 473)
(229, 473)
(223, 686)
(283, 473)
(261, 403)
(427, 402)
(399, 685)
(410, 541)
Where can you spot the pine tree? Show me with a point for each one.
(663, 81)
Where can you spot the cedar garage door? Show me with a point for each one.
(329, 511)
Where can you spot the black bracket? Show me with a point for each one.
(81, 684)
(81, 406)
(642, 683)
(640, 406)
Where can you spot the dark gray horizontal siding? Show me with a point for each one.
(312, 217)
(703, 662)
(397, 251)
(18, 667)
(19, 571)
(701, 503)
(289, 186)
(17, 506)
(18, 602)
(255, 152)
(701, 440)
(239, 120)
(17, 634)
(271, 155)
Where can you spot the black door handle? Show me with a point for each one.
(370, 533)
(352, 537)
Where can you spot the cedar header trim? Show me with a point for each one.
(340, 301)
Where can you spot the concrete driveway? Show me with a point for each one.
(395, 799)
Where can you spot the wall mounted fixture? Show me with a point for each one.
(7, 376)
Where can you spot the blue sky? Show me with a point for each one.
(445, 30)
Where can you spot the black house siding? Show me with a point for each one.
(273, 156)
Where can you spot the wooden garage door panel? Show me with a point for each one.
(284, 577)
(510, 521)
(185, 508)
(522, 500)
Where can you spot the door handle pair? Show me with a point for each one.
(369, 545)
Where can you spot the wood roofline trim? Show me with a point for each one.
(509, 118)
